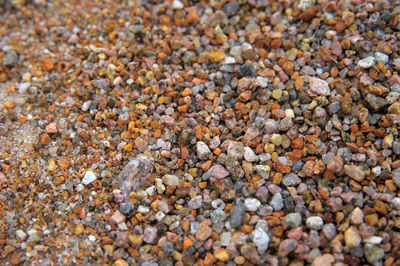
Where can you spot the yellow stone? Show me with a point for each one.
(216, 56)
(52, 166)
(135, 241)
(128, 147)
(102, 56)
(27, 77)
(221, 254)
(79, 229)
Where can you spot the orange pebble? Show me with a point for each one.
(187, 243)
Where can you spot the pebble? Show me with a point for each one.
(374, 254)
(20, 234)
(293, 219)
(252, 204)
(196, 202)
(286, 247)
(249, 251)
(260, 239)
(355, 172)
(277, 202)
(314, 222)
(11, 58)
(236, 213)
(88, 178)
(319, 86)
(291, 179)
(117, 217)
(231, 8)
(325, 259)
(149, 234)
(135, 173)
(357, 216)
(352, 237)
(203, 232)
(329, 231)
(249, 155)
(381, 57)
(221, 255)
(367, 62)
(170, 180)
(202, 150)
(236, 150)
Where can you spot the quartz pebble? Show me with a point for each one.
(367, 62)
(88, 178)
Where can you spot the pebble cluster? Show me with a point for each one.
(250, 132)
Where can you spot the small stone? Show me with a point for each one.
(351, 237)
(120, 262)
(135, 174)
(51, 128)
(396, 177)
(314, 222)
(357, 216)
(176, 4)
(252, 204)
(271, 126)
(143, 209)
(202, 150)
(286, 247)
(355, 172)
(277, 202)
(319, 86)
(249, 155)
(293, 219)
(329, 231)
(216, 56)
(380, 207)
(285, 124)
(231, 8)
(263, 170)
(236, 150)
(381, 57)
(276, 139)
(291, 179)
(374, 254)
(117, 217)
(260, 239)
(247, 70)
(367, 62)
(203, 232)
(196, 202)
(249, 251)
(326, 260)
(11, 58)
(277, 94)
(170, 180)
(335, 164)
(88, 178)
(149, 234)
(237, 213)
(122, 240)
(20, 234)
(251, 133)
(225, 238)
(221, 254)
(219, 172)
(15, 259)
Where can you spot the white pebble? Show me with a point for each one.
(88, 178)
(367, 62)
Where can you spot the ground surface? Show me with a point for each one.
(206, 132)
